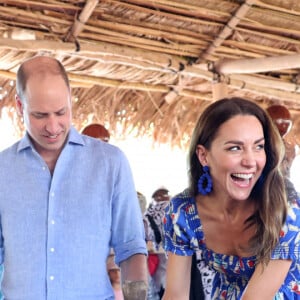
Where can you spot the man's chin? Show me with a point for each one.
(51, 147)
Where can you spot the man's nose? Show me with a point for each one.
(52, 125)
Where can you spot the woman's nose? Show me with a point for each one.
(248, 159)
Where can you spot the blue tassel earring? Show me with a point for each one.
(205, 183)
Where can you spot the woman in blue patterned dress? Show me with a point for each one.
(235, 210)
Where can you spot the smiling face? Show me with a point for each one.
(46, 112)
(236, 157)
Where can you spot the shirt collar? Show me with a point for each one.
(74, 137)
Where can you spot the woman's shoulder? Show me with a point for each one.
(293, 216)
(289, 244)
(183, 201)
(180, 224)
(291, 227)
(183, 211)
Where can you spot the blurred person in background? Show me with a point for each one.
(97, 131)
(283, 121)
(114, 274)
(142, 201)
(153, 219)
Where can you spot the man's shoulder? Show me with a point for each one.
(89, 141)
(9, 151)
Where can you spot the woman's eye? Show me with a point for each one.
(234, 148)
(260, 146)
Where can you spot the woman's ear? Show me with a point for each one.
(201, 154)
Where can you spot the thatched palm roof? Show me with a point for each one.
(152, 66)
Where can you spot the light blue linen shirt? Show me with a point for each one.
(56, 231)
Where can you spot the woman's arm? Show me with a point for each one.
(265, 282)
(178, 277)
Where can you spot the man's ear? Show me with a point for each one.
(19, 105)
(201, 152)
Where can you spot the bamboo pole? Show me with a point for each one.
(256, 65)
(89, 81)
(101, 51)
(79, 23)
(136, 86)
(219, 90)
(201, 71)
(146, 61)
(227, 30)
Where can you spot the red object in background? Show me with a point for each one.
(97, 131)
(153, 261)
(281, 117)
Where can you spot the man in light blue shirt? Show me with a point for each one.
(66, 200)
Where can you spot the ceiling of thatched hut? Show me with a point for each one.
(152, 66)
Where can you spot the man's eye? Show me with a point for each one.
(61, 113)
(38, 116)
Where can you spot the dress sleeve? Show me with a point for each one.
(289, 241)
(179, 237)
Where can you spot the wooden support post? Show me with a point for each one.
(219, 88)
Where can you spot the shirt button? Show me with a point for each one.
(52, 249)
(52, 222)
(51, 277)
(44, 168)
(52, 194)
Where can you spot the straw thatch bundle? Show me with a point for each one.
(150, 67)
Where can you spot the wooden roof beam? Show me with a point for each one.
(227, 30)
(256, 65)
(79, 22)
(145, 60)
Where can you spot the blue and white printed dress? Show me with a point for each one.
(184, 235)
